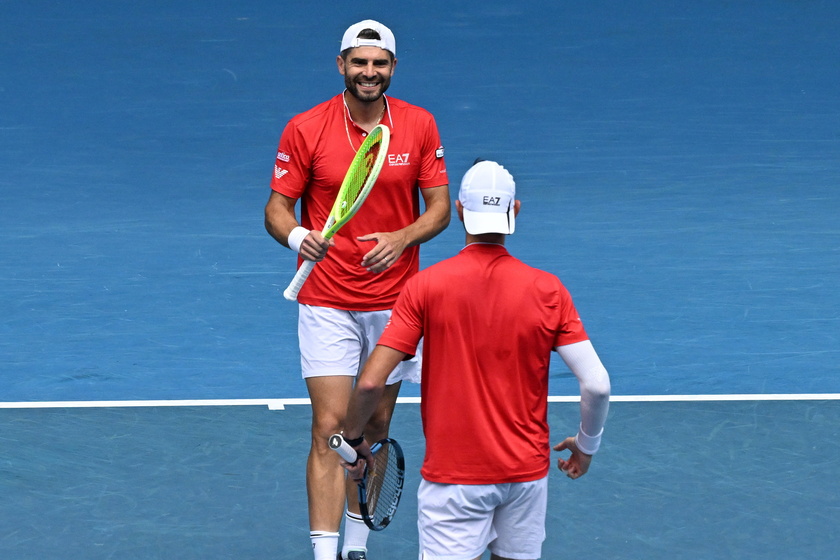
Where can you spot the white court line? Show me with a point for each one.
(281, 404)
(712, 398)
(272, 404)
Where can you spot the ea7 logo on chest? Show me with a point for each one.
(396, 160)
(492, 201)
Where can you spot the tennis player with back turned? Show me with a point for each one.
(489, 324)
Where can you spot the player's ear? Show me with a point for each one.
(460, 208)
(339, 61)
(516, 205)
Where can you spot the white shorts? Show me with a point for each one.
(337, 342)
(461, 521)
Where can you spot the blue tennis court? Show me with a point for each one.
(678, 167)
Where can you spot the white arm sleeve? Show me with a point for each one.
(594, 381)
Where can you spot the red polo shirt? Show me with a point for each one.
(489, 324)
(313, 156)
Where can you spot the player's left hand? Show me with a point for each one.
(389, 247)
(577, 464)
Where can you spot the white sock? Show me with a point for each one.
(355, 533)
(324, 544)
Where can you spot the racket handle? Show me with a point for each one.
(291, 293)
(343, 448)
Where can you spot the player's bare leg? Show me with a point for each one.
(380, 423)
(325, 486)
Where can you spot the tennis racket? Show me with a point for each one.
(381, 488)
(357, 183)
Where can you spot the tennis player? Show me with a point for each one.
(347, 299)
(489, 323)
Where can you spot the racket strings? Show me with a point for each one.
(384, 485)
(360, 175)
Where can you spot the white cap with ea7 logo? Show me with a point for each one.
(488, 194)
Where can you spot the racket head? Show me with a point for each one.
(381, 489)
(360, 177)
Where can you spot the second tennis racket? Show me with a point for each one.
(381, 488)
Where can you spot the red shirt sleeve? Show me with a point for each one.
(405, 328)
(292, 163)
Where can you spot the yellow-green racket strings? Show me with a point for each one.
(359, 175)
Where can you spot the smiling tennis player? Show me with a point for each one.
(346, 301)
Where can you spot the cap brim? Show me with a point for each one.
(477, 223)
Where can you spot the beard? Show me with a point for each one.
(366, 96)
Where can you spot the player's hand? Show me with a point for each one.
(314, 246)
(389, 247)
(577, 464)
(364, 460)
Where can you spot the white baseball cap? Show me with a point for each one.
(488, 194)
(351, 37)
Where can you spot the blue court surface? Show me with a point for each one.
(678, 165)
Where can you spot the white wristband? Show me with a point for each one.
(296, 238)
(586, 443)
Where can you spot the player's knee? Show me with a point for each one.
(378, 426)
(323, 428)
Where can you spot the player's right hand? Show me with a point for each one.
(364, 460)
(314, 246)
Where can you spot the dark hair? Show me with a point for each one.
(367, 33)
